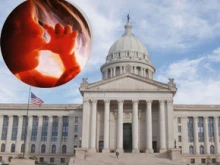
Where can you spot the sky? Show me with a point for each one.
(182, 38)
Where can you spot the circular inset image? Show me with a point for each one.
(46, 43)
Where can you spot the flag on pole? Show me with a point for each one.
(36, 100)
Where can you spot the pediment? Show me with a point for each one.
(128, 82)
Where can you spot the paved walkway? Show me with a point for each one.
(126, 159)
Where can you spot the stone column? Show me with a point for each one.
(111, 72)
(170, 137)
(86, 123)
(216, 134)
(59, 139)
(150, 74)
(70, 135)
(114, 71)
(106, 73)
(39, 132)
(106, 126)
(121, 71)
(8, 139)
(149, 148)
(29, 130)
(135, 126)
(120, 126)
(162, 126)
(195, 133)
(206, 136)
(49, 133)
(93, 126)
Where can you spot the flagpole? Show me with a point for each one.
(26, 126)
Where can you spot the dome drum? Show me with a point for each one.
(126, 55)
(118, 68)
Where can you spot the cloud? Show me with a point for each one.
(215, 56)
(196, 84)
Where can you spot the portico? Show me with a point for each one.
(145, 111)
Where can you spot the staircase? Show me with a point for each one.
(125, 159)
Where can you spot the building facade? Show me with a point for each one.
(127, 111)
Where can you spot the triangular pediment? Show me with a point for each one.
(127, 82)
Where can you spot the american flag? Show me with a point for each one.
(36, 100)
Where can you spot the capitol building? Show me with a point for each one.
(127, 111)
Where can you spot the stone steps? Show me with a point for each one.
(125, 159)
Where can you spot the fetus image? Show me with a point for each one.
(45, 43)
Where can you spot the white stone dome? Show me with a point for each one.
(127, 52)
(128, 42)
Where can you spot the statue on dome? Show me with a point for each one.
(128, 18)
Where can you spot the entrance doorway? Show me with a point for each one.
(155, 146)
(101, 145)
(127, 137)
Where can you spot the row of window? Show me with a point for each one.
(34, 131)
(201, 149)
(41, 159)
(203, 160)
(33, 148)
(200, 128)
(52, 160)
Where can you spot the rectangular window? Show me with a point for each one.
(76, 119)
(179, 120)
(213, 160)
(201, 129)
(24, 124)
(62, 160)
(211, 129)
(65, 128)
(203, 160)
(179, 139)
(192, 161)
(14, 128)
(34, 129)
(75, 138)
(51, 160)
(41, 160)
(44, 129)
(5, 128)
(190, 129)
(179, 129)
(54, 129)
(76, 128)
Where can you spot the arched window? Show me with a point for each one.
(3, 147)
(109, 73)
(43, 148)
(212, 149)
(117, 70)
(190, 149)
(53, 149)
(13, 148)
(32, 148)
(201, 149)
(22, 148)
(63, 149)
